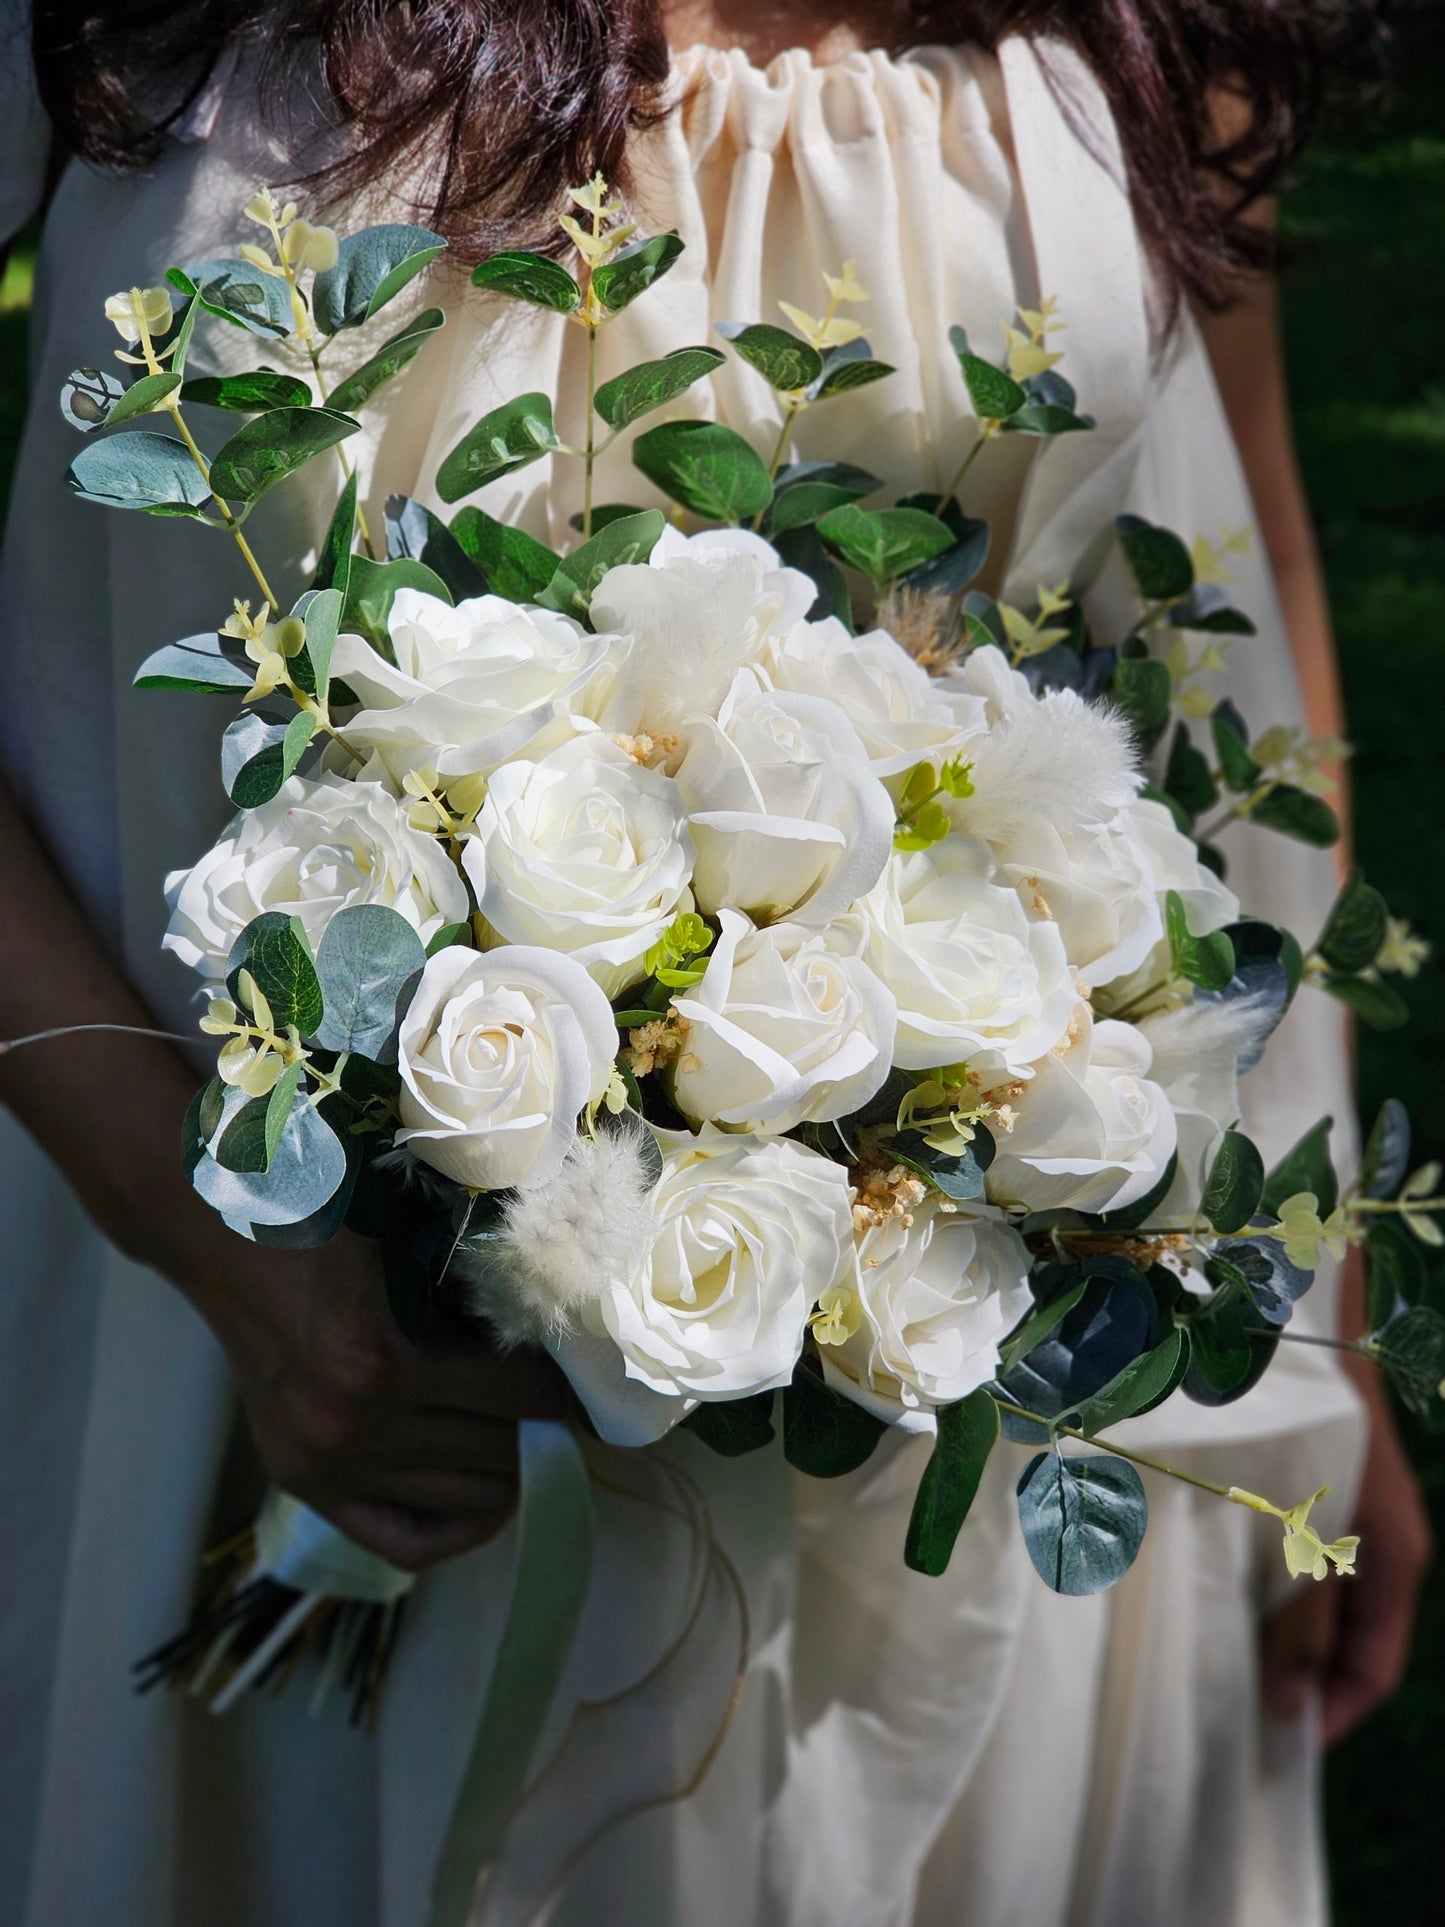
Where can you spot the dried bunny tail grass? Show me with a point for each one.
(925, 623)
(1208, 1033)
(559, 1244)
(1057, 757)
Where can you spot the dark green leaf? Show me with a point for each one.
(333, 564)
(967, 1433)
(142, 396)
(1188, 779)
(1260, 1264)
(1207, 961)
(1306, 1167)
(514, 563)
(208, 664)
(733, 1428)
(630, 540)
(846, 368)
(797, 507)
(503, 441)
(1356, 927)
(412, 530)
(708, 468)
(1208, 608)
(141, 470)
(994, 394)
(1046, 418)
(1397, 1274)
(884, 543)
(372, 267)
(784, 360)
(653, 384)
(202, 1120)
(1298, 814)
(1239, 769)
(802, 549)
(367, 966)
(602, 514)
(1412, 1350)
(257, 755)
(1377, 1004)
(451, 933)
(1226, 1358)
(844, 475)
(307, 1169)
(371, 589)
(1130, 1217)
(1236, 1183)
(1114, 1322)
(1083, 1520)
(632, 270)
(528, 277)
(277, 958)
(248, 394)
(1144, 691)
(1158, 561)
(1386, 1157)
(1142, 1385)
(278, 1107)
(389, 360)
(824, 1433)
(1039, 1324)
(274, 446)
(242, 1145)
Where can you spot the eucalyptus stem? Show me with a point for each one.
(227, 516)
(589, 452)
(985, 436)
(341, 455)
(1112, 1445)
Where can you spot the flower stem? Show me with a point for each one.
(986, 434)
(589, 452)
(341, 455)
(227, 516)
(1112, 1445)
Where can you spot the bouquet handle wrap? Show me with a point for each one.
(555, 1532)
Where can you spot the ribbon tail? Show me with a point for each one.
(555, 1531)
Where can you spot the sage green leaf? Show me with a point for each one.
(142, 470)
(1158, 561)
(967, 1433)
(257, 755)
(1377, 1004)
(306, 1170)
(846, 368)
(272, 949)
(708, 468)
(528, 277)
(320, 610)
(209, 664)
(248, 394)
(143, 395)
(368, 963)
(884, 543)
(274, 446)
(1356, 926)
(825, 1434)
(1083, 1520)
(1307, 1166)
(1038, 1325)
(632, 270)
(1412, 1350)
(1141, 1386)
(1187, 778)
(1386, 1159)
(278, 1107)
(735, 1426)
(413, 530)
(1298, 814)
(1144, 691)
(503, 441)
(1239, 769)
(372, 267)
(798, 507)
(242, 1145)
(236, 292)
(602, 514)
(1206, 961)
(652, 384)
(1235, 1184)
(372, 588)
(333, 564)
(784, 360)
(514, 563)
(389, 360)
(631, 539)
(451, 933)
(995, 395)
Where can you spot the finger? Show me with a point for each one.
(412, 1540)
(469, 1373)
(1296, 1645)
(436, 1439)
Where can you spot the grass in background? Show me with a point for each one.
(1365, 319)
(1365, 323)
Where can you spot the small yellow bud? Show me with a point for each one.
(139, 311)
(304, 246)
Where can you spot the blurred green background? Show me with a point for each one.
(1365, 319)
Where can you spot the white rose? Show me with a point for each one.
(317, 847)
(900, 712)
(781, 1030)
(1090, 1131)
(1097, 886)
(471, 686)
(1169, 861)
(787, 817)
(499, 1052)
(922, 1317)
(747, 1232)
(584, 851)
(975, 978)
(701, 608)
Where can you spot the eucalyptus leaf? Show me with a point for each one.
(372, 588)
(274, 446)
(1397, 1274)
(1231, 744)
(824, 1433)
(209, 664)
(515, 564)
(237, 292)
(528, 277)
(1377, 1004)
(851, 366)
(784, 360)
(1386, 1160)
(1114, 1322)
(628, 540)
(967, 1433)
(258, 755)
(884, 543)
(1046, 419)
(1187, 777)
(1140, 1387)
(241, 1146)
(1083, 1520)
(367, 965)
(1158, 561)
(372, 267)
(276, 955)
(1412, 1350)
(707, 468)
(1144, 692)
(143, 395)
(248, 394)
(141, 470)
(1296, 813)
(994, 394)
(278, 1107)
(1235, 1184)
(307, 1169)
(1228, 1354)
(1307, 1166)
(632, 270)
(1207, 960)
(333, 564)
(799, 507)
(451, 933)
(413, 531)
(652, 384)
(802, 549)
(506, 439)
(388, 361)
(734, 1427)
(320, 611)
(1272, 1281)
(1207, 608)
(1356, 927)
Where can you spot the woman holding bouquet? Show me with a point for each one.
(972, 1749)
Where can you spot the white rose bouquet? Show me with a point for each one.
(763, 961)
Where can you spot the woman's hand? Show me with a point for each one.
(1350, 1638)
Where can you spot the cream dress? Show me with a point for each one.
(970, 1749)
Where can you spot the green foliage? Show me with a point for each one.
(257, 755)
(367, 967)
(824, 1433)
(412, 531)
(1158, 561)
(372, 268)
(142, 396)
(709, 469)
(1187, 777)
(652, 384)
(142, 470)
(528, 277)
(1238, 768)
(1412, 1350)
(967, 1433)
(884, 543)
(1386, 1159)
(846, 368)
(307, 1168)
(1206, 961)
(388, 361)
(515, 564)
(1307, 1166)
(234, 291)
(633, 270)
(1235, 1185)
(320, 613)
(274, 446)
(274, 951)
(1143, 1384)
(248, 394)
(630, 539)
(1355, 928)
(371, 588)
(994, 394)
(1296, 813)
(211, 664)
(1083, 1520)
(506, 439)
(1377, 1004)
(1144, 692)
(737, 1427)
(784, 360)
(333, 563)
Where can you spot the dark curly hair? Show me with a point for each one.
(498, 105)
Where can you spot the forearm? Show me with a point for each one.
(106, 1107)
